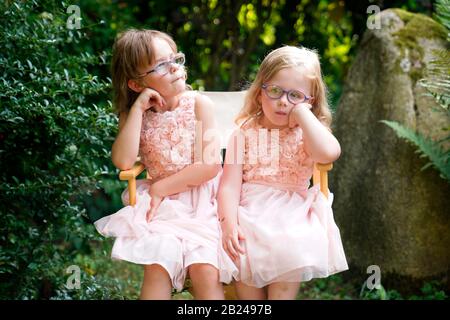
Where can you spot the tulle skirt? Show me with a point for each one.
(184, 231)
(290, 236)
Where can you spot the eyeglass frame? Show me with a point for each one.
(265, 85)
(170, 61)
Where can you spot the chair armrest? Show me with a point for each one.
(133, 172)
(131, 175)
(320, 175)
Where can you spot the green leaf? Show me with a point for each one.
(426, 147)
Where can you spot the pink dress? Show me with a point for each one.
(290, 234)
(185, 228)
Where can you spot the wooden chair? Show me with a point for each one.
(228, 105)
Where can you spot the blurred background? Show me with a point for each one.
(57, 123)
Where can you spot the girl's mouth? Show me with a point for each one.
(280, 113)
(178, 78)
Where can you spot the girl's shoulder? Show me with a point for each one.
(203, 105)
(201, 99)
(250, 123)
(188, 95)
(195, 99)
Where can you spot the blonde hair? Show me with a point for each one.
(288, 57)
(132, 49)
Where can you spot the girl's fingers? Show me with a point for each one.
(240, 234)
(154, 205)
(234, 254)
(238, 246)
(154, 98)
(229, 254)
(159, 100)
(225, 247)
(163, 102)
(155, 101)
(156, 201)
(151, 212)
(291, 121)
(308, 105)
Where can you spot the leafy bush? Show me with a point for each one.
(430, 291)
(101, 279)
(56, 129)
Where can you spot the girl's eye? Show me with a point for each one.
(163, 67)
(297, 95)
(160, 66)
(179, 60)
(275, 91)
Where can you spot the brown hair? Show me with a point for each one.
(132, 50)
(288, 57)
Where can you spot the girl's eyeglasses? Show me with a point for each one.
(164, 67)
(293, 96)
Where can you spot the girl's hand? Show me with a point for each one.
(154, 202)
(231, 234)
(149, 98)
(295, 113)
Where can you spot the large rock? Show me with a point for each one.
(391, 213)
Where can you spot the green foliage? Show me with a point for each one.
(378, 293)
(98, 280)
(335, 288)
(443, 13)
(437, 82)
(331, 288)
(430, 291)
(56, 129)
(426, 148)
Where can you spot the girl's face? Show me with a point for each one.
(168, 82)
(276, 111)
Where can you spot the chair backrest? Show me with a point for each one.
(227, 105)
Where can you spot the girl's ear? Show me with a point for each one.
(311, 101)
(135, 86)
(258, 98)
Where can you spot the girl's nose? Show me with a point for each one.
(174, 67)
(283, 101)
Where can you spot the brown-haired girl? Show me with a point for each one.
(173, 229)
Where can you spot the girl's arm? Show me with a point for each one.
(197, 173)
(126, 146)
(318, 141)
(228, 196)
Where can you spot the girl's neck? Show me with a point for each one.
(264, 122)
(172, 102)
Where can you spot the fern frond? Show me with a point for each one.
(443, 12)
(440, 159)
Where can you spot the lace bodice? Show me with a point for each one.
(284, 164)
(167, 139)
